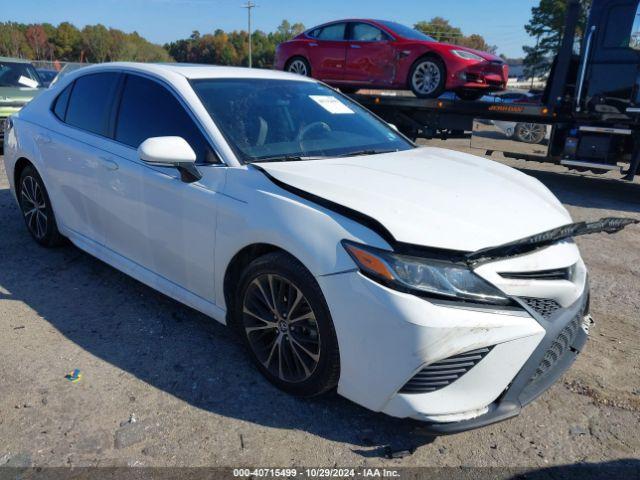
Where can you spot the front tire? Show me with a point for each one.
(427, 77)
(286, 325)
(299, 66)
(36, 208)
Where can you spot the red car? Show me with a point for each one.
(353, 54)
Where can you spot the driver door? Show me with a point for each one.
(371, 56)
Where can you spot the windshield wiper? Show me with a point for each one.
(358, 153)
(286, 158)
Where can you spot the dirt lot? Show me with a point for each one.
(195, 399)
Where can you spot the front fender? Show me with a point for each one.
(256, 211)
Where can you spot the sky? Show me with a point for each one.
(501, 22)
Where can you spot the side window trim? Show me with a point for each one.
(171, 90)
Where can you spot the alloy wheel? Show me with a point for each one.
(281, 328)
(426, 77)
(298, 67)
(34, 207)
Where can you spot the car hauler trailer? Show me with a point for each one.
(589, 114)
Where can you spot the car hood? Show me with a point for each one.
(431, 197)
(18, 95)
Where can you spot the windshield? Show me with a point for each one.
(407, 32)
(18, 75)
(265, 119)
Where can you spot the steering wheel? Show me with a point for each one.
(317, 127)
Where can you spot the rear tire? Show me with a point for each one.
(36, 208)
(427, 77)
(299, 66)
(285, 323)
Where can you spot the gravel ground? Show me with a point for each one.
(162, 385)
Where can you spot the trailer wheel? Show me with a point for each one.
(427, 77)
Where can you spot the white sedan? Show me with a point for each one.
(345, 256)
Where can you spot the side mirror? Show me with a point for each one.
(171, 152)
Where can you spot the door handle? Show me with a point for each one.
(355, 46)
(108, 163)
(43, 138)
(313, 44)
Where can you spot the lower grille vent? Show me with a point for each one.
(444, 372)
(558, 348)
(544, 306)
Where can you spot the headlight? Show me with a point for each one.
(431, 277)
(467, 55)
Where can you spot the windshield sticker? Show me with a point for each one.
(27, 82)
(331, 104)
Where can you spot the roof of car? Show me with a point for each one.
(14, 60)
(197, 71)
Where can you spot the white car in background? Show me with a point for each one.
(525, 132)
(420, 282)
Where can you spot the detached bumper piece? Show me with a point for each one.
(440, 374)
(565, 338)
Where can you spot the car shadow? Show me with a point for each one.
(580, 190)
(170, 346)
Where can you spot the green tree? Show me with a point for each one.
(547, 28)
(95, 40)
(440, 29)
(67, 42)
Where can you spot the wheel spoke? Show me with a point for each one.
(314, 356)
(306, 316)
(298, 357)
(265, 297)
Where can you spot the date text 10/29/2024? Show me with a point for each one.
(315, 473)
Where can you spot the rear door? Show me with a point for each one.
(371, 56)
(327, 51)
(74, 152)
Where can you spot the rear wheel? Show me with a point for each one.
(36, 208)
(299, 66)
(286, 325)
(427, 77)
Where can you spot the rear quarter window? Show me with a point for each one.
(61, 102)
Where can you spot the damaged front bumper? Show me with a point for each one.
(566, 335)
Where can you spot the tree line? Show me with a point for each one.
(65, 42)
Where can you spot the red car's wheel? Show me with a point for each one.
(299, 66)
(427, 77)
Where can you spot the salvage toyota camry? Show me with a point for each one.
(420, 282)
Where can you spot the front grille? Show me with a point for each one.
(558, 348)
(546, 307)
(554, 274)
(444, 372)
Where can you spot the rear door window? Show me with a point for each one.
(148, 109)
(91, 102)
